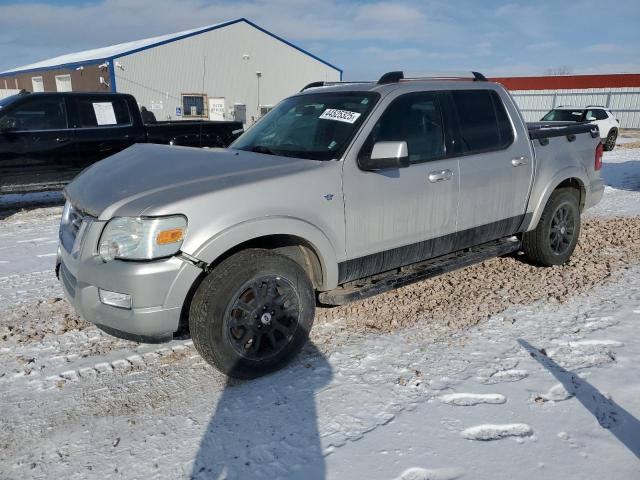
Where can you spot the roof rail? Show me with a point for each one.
(328, 84)
(597, 106)
(395, 77)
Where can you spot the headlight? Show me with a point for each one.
(66, 212)
(142, 238)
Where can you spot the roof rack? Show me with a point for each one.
(328, 84)
(395, 77)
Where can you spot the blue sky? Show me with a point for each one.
(364, 38)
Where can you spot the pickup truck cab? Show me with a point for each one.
(607, 124)
(46, 139)
(341, 192)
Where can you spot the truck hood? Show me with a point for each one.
(145, 173)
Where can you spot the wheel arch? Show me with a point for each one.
(294, 238)
(571, 178)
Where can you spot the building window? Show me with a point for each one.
(63, 83)
(193, 105)
(264, 109)
(38, 84)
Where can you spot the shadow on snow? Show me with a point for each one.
(267, 428)
(611, 416)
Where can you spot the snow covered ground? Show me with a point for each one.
(545, 390)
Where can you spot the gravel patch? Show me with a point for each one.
(456, 300)
(628, 145)
(465, 297)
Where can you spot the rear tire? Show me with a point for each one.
(554, 239)
(252, 314)
(610, 142)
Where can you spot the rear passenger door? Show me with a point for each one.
(104, 126)
(496, 168)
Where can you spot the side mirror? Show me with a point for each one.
(386, 155)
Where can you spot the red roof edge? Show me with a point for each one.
(614, 80)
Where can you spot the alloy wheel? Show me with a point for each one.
(263, 318)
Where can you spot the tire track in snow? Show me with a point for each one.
(123, 364)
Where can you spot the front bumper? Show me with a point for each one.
(158, 289)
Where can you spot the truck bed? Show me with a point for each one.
(541, 130)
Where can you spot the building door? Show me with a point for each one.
(216, 108)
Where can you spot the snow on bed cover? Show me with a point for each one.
(368, 407)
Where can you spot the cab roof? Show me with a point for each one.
(396, 79)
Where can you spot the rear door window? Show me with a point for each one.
(601, 115)
(483, 122)
(37, 114)
(103, 111)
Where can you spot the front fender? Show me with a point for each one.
(540, 195)
(233, 236)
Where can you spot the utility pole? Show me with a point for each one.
(258, 75)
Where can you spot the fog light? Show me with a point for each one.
(115, 299)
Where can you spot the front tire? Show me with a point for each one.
(252, 314)
(610, 142)
(555, 238)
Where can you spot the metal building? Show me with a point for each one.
(232, 70)
(537, 95)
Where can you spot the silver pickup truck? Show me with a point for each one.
(341, 192)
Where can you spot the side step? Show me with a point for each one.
(361, 289)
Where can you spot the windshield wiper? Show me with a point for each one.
(263, 149)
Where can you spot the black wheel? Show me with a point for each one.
(252, 313)
(610, 142)
(556, 236)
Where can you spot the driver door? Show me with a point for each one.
(400, 216)
(37, 150)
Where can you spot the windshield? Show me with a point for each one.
(315, 126)
(564, 115)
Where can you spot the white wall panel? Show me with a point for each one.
(623, 102)
(7, 92)
(213, 63)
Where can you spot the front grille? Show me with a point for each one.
(68, 279)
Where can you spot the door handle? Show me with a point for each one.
(62, 140)
(519, 161)
(440, 176)
(105, 147)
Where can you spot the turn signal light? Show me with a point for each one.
(169, 236)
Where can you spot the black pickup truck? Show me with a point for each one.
(46, 139)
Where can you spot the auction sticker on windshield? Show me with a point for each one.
(340, 115)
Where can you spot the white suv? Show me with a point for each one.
(607, 124)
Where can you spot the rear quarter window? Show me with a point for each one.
(483, 122)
